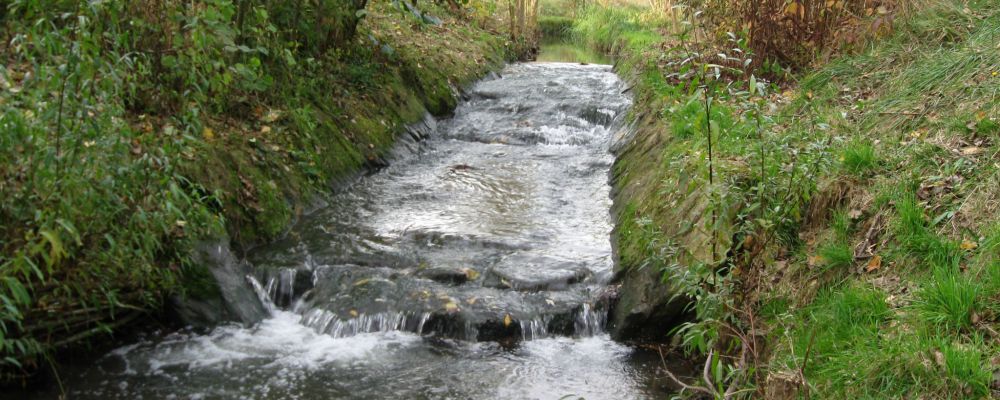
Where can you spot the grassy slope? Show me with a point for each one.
(105, 195)
(902, 271)
(883, 261)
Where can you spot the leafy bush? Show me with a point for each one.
(555, 27)
(794, 32)
(132, 130)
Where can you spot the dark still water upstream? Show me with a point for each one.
(474, 267)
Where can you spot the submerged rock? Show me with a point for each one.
(645, 307)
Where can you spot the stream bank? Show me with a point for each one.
(228, 120)
(860, 199)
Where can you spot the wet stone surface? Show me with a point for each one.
(474, 266)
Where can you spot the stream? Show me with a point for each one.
(475, 266)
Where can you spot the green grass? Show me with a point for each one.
(605, 28)
(836, 256)
(858, 351)
(917, 239)
(553, 27)
(859, 157)
(948, 300)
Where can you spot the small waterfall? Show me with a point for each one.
(590, 322)
(326, 322)
(535, 328)
(262, 294)
(280, 287)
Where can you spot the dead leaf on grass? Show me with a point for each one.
(874, 264)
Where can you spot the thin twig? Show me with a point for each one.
(707, 371)
(678, 381)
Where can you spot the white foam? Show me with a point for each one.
(280, 342)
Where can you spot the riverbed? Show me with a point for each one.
(475, 266)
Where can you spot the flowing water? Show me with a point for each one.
(474, 267)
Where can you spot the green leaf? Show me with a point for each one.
(17, 290)
(56, 249)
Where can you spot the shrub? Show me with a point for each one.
(555, 27)
(794, 32)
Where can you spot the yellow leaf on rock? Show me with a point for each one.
(507, 320)
(354, 313)
(451, 307)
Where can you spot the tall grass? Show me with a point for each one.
(859, 157)
(916, 237)
(949, 300)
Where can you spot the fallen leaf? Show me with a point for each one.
(972, 150)
(362, 282)
(815, 260)
(507, 320)
(271, 116)
(968, 245)
(470, 273)
(354, 313)
(451, 307)
(208, 133)
(874, 264)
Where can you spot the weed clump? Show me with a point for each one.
(949, 300)
(858, 158)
